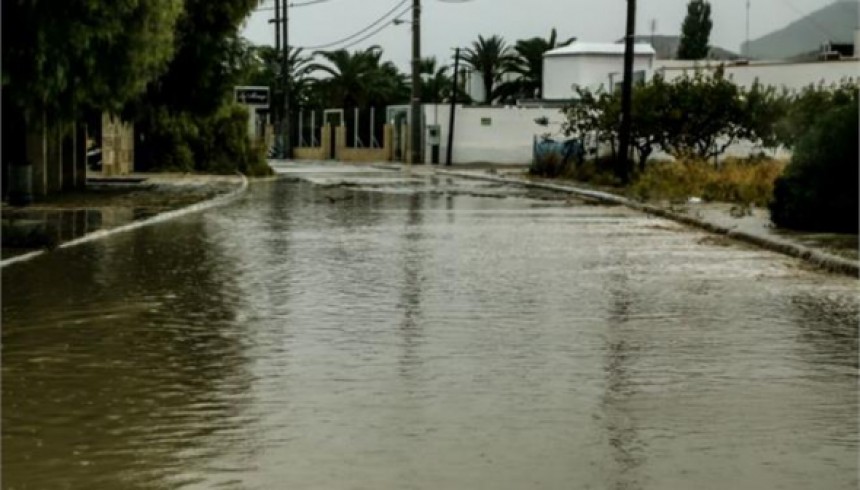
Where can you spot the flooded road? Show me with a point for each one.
(370, 331)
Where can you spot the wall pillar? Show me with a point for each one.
(37, 156)
(405, 146)
(117, 146)
(325, 142)
(80, 156)
(68, 157)
(54, 161)
(388, 142)
(340, 142)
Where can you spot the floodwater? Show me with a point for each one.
(425, 333)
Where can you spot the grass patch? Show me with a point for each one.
(747, 182)
(596, 172)
(741, 181)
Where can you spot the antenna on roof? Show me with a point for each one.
(747, 54)
(653, 31)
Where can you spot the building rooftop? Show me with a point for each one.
(579, 48)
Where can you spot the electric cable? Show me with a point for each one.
(362, 31)
(308, 3)
(370, 35)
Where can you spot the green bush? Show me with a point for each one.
(819, 189)
(168, 142)
(217, 144)
(225, 147)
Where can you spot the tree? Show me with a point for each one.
(649, 110)
(693, 116)
(360, 79)
(594, 115)
(261, 66)
(63, 58)
(491, 58)
(185, 112)
(818, 190)
(529, 63)
(763, 109)
(435, 82)
(696, 31)
(705, 116)
(202, 74)
(804, 108)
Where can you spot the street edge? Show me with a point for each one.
(821, 260)
(159, 218)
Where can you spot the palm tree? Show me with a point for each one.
(529, 63)
(360, 79)
(261, 66)
(435, 82)
(491, 58)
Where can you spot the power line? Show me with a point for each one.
(295, 4)
(365, 38)
(362, 31)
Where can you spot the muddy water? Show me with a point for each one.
(429, 334)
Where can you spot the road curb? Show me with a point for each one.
(817, 258)
(159, 218)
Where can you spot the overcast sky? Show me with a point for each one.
(446, 25)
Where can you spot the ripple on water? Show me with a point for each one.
(429, 339)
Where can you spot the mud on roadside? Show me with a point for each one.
(107, 203)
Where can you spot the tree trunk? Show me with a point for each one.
(14, 141)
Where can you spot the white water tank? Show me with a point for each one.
(857, 43)
(476, 87)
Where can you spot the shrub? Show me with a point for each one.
(819, 190)
(215, 144)
(549, 164)
(747, 181)
(802, 109)
(599, 172)
(225, 147)
(168, 142)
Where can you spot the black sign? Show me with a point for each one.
(252, 95)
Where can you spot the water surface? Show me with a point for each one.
(425, 333)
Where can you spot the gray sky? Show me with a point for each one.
(447, 25)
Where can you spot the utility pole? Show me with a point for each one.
(273, 108)
(416, 150)
(627, 95)
(454, 86)
(285, 70)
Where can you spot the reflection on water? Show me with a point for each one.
(367, 337)
(25, 230)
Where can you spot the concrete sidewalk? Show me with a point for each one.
(832, 252)
(107, 203)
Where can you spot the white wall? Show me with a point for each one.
(586, 70)
(788, 75)
(508, 139)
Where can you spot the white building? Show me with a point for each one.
(591, 65)
(501, 134)
(779, 74)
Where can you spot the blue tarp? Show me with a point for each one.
(568, 150)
